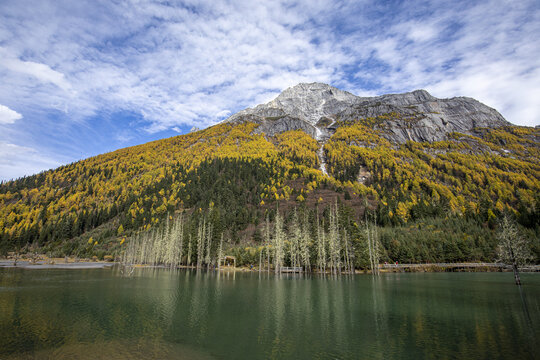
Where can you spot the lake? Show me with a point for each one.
(183, 314)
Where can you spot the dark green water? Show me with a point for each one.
(161, 314)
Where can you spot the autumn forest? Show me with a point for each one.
(235, 191)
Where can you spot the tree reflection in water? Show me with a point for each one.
(162, 313)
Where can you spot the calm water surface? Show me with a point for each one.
(166, 314)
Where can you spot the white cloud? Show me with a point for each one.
(179, 67)
(172, 65)
(17, 161)
(8, 116)
(420, 32)
(486, 50)
(223, 114)
(123, 136)
(39, 71)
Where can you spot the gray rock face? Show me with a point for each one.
(428, 118)
(307, 102)
(299, 107)
(319, 108)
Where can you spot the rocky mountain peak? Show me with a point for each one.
(319, 108)
(314, 92)
(308, 102)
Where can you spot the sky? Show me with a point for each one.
(80, 78)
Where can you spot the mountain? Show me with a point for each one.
(300, 107)
(319, 108)
(430, 177)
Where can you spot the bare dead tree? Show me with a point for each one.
(513, 247)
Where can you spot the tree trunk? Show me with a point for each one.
(516, 274)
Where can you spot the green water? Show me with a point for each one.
(162, 314)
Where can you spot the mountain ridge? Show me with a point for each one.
(316, 107)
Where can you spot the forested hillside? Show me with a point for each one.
(436, 201)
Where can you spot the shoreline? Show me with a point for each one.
(59, 263)
(52, 264)
(386, 269)
(455, 267)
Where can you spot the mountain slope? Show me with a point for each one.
(433, 200)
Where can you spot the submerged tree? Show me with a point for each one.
(513, 247)
(321, 246)
(279, 243)
(294, 240)
(334, 240)
(267, 241)
(201, 240)
(372, 238)
(347, 253)
(220, 253)
(165, 246)
(305, 244)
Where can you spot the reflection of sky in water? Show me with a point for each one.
(158, 313)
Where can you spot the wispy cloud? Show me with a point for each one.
(17, 161)
(484, 50)
(41, 72)
(8, 116)
(172, 65)
(181, 65)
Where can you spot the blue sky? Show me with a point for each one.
(80, 78)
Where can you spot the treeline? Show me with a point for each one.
(327, 244)
(333, 240)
